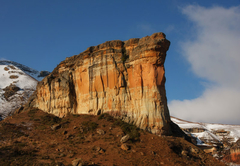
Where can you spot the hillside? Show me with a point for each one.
(17, 83)
(220, 140)
(37, 138)
(38, 75)
(210, 132)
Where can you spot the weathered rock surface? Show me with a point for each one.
(124, 147)
(125, 138)
(56, 126)
(235, 152)
(77, 162)
(100, 131)
(125, 79)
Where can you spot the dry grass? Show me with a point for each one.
(27, 139)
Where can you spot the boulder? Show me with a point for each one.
(77, 162)
(125, 138)
(124, 147)
(100, 131)
(56, 126)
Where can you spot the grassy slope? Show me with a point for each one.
(27, 138)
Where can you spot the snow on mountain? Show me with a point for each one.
(10, 74)
(17, 83)
(27, 70)
(216, 139)
(210, 131)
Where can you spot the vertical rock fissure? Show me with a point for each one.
(90, 76)
(106, 60)
(115, 63)
(72, 94)
(125, 74)
(125, 56)
(142, 86)
(49, 81)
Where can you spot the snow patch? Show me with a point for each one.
(12, 73)
(232, 131)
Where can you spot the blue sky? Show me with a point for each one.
(202, 82)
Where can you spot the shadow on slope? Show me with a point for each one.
(37, 138)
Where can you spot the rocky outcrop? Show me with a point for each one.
(16, 87)
(125, 79)
(10, 91)
(235, 152)
(43, 73)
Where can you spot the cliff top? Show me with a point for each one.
(131, 48)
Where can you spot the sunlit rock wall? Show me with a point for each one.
(125, 79)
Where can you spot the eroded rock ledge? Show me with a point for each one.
(125, 79)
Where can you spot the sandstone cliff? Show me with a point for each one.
(125, 79)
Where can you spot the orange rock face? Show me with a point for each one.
(125, 79)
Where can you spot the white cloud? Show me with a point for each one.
(214, 54)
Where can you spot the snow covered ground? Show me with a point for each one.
(10, 74)
(27, 70)
(209, 131)
(16, 75)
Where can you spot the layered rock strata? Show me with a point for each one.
(125, 79)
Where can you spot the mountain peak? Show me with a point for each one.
(31, 72)
(17, 83)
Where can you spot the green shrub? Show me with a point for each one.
(16, 155)
(11, 129)
(124, 55)
(49, 119)
(130, 129)
(106, 116)
(32, 112)
(76, 115)
(127, 128)
(89, 126)
(41, 127)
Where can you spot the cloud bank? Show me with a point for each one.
(214, 54)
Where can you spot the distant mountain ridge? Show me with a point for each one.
(32, 72)
(213, 131)
(221, 140)
(17, 83)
